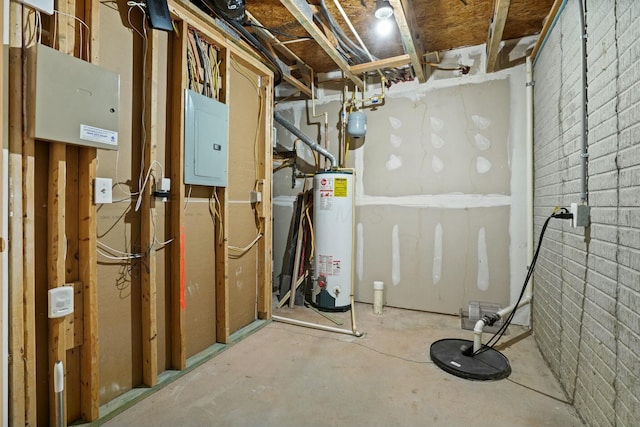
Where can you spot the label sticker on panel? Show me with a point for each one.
(94, 134)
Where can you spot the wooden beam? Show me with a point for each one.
(545, 28)
(396, 61)
(222, 234)
(17, 386)
(89, 351)
(301, 10)
(148, 212)
(273, 40)
(29, 279)
(265, 244)
(87, 249)
(56, 234)
(410, 35)
(222, 268)
(496, 28)
(28, 267)
(56, 250)
(177, 59)
(297, 84)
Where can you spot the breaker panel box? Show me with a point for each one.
(206, 140)
(71, 100)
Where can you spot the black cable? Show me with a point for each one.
(563, 214)
(274, 31)
(256, 44)
(237, 25)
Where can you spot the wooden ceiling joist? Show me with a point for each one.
(396, 61)
(278, 45)
(409, 33)
(496, 28)
(301, 10)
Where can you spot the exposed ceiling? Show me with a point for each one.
(420, 27)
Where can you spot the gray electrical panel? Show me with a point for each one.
(206, 140)
(71, 100)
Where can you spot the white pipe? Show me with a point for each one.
(480, 324)
(58, 388)
(315, 325)
(529, 93)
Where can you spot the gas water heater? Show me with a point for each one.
(333, 217)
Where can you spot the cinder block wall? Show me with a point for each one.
(586, 310)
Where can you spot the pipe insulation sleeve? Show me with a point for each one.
(304, 138)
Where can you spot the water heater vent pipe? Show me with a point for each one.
(304, 138)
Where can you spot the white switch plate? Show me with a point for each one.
(102, 191)
(60, 301)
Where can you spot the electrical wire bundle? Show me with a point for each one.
(203, 66)
(561, 213)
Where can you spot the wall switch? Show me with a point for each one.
(60, 301)
(102, 191)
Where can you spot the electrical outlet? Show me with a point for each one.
(102, 191)
(255, 197)
(581, 215)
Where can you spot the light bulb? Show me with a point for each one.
(384, 27)
(383, 9)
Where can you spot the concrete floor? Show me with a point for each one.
(285, 375)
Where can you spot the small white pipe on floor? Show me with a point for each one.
(315, 326)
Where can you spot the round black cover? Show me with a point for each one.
(454, 356)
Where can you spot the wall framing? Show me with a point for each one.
(71, 234)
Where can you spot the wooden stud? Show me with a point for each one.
(409, 33)
(496, 28)
(223, 322)
(545, 28)
(178, 55)
(17, 386)
(265, 266)
(56, 215)
(222, 269)
(148, 210)
(55, 260)
(28, 263)
(88, 266)
(87, 248)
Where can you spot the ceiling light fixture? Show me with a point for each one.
(383, 9)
